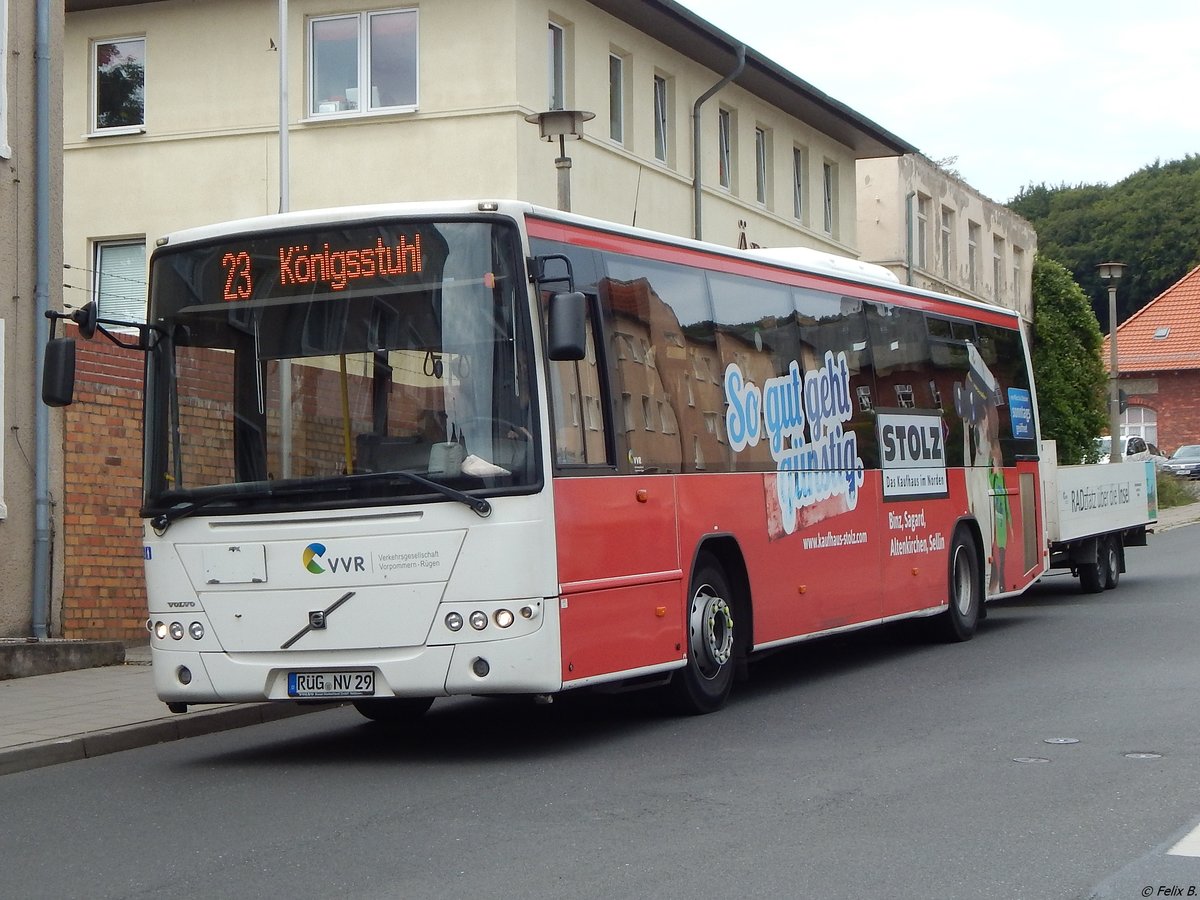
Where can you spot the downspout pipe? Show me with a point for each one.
(908, 232)
(40, 588)
(697, 225)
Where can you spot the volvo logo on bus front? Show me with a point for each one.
(316, 619)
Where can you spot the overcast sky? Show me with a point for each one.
(1023, 92)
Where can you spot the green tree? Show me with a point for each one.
(1067, 367)
(1150, 221)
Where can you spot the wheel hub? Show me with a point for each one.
(711, 630)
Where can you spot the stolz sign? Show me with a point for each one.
(912, 454)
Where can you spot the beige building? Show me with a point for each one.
(934, 231)
(30, 266)
(172, 119)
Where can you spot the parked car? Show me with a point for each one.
(1184, 462)
(1135, 448)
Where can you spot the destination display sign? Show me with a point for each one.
(288, 264)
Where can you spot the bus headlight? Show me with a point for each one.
(196, 630)
(479, 620)
(504, 617)
(160, 630)
(454, 621)
(176, 631)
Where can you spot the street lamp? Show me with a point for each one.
(1110, 273)
(561, 124)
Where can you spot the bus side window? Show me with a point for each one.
(576, 409)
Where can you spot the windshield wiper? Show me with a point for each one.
(480, 506)
(341, 483)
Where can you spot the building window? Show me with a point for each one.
(363, 62)
(947, 241)
(558, 67)
(762, 168)
(662, 119)
(799, 174)
(1140, 421)
(648, 410)
(923, 204)
(904, 396)
(863, 392)
(616, 98)
(724, 147)
(119, 285)
(1018, 273)
(829, 190)
(119, 91)
(998, 267)
(972, 255)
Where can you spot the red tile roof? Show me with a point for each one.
(1165, 333)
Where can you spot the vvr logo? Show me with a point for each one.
(314, 555)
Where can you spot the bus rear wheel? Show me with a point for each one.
(703, 684)
(394, 710)
(965, 591)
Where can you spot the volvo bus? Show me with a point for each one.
(396, 453)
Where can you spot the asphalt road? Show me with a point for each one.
(871, 766)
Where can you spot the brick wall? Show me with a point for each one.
(104, 593)
(1177, 405)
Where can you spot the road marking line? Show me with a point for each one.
(1189, 846)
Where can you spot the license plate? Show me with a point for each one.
(331, 684)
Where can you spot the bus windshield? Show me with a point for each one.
(299, 367)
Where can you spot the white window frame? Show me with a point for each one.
(5, 147)
(119, 294)
(923, 206)
(556, 58)
(972, 255)
(662, 118)
(762, 165)
(325, 109)
(998, 267)
(725, 148)
(829, 172)
(799, 181)
(616, 97)
(94, 126)
(947, 241)
(1018, 272)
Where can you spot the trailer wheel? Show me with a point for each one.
(1091, 575)
(393, 710)
(959, 620)
(1112, 562)
(703, 684)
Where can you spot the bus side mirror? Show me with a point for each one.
(58, 372)
(86, 318)
(567, 326)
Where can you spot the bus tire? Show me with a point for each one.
(965, 589)
(1112, 562)
(703, 684)
(393, 710)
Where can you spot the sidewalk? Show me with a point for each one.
(50, 719)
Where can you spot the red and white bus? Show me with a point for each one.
(395, 453)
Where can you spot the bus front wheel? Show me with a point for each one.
(703, 684)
